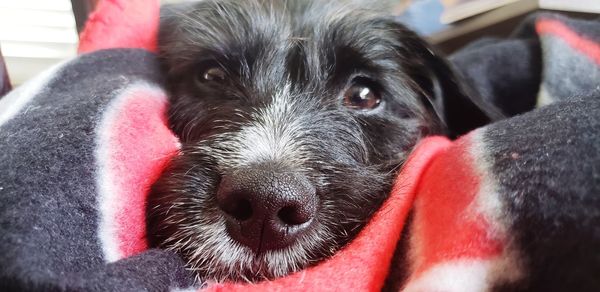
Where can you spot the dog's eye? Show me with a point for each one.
(213, 74)
(361, 96)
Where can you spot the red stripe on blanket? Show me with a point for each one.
(121, 24)
(135, 144)
(582, 44)
(365, 262)
(449, 224)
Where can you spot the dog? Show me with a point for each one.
(294, 119)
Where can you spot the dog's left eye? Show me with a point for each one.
(213, 74)
(361, 96)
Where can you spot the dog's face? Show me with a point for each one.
(293, 119)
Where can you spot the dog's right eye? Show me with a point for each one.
(213, 74)
(362, 95)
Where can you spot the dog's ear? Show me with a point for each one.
(458, 107)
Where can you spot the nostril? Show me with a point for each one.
(240, 209)
(292, 215)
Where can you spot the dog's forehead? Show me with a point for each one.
(265, 32)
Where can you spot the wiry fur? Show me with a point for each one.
(288, 63)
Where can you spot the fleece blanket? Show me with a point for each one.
(510, 206)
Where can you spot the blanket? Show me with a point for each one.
(510, 206)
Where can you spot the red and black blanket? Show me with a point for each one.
(511, 206)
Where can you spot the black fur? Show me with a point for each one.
(307, 53)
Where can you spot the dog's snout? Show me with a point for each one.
(266, 208)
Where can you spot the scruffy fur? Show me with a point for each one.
(288, 64)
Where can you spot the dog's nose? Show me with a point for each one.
(266, 209)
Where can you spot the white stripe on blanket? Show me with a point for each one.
(13, 102)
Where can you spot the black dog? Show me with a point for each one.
(294, 119)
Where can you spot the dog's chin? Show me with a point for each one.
(213, 256)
